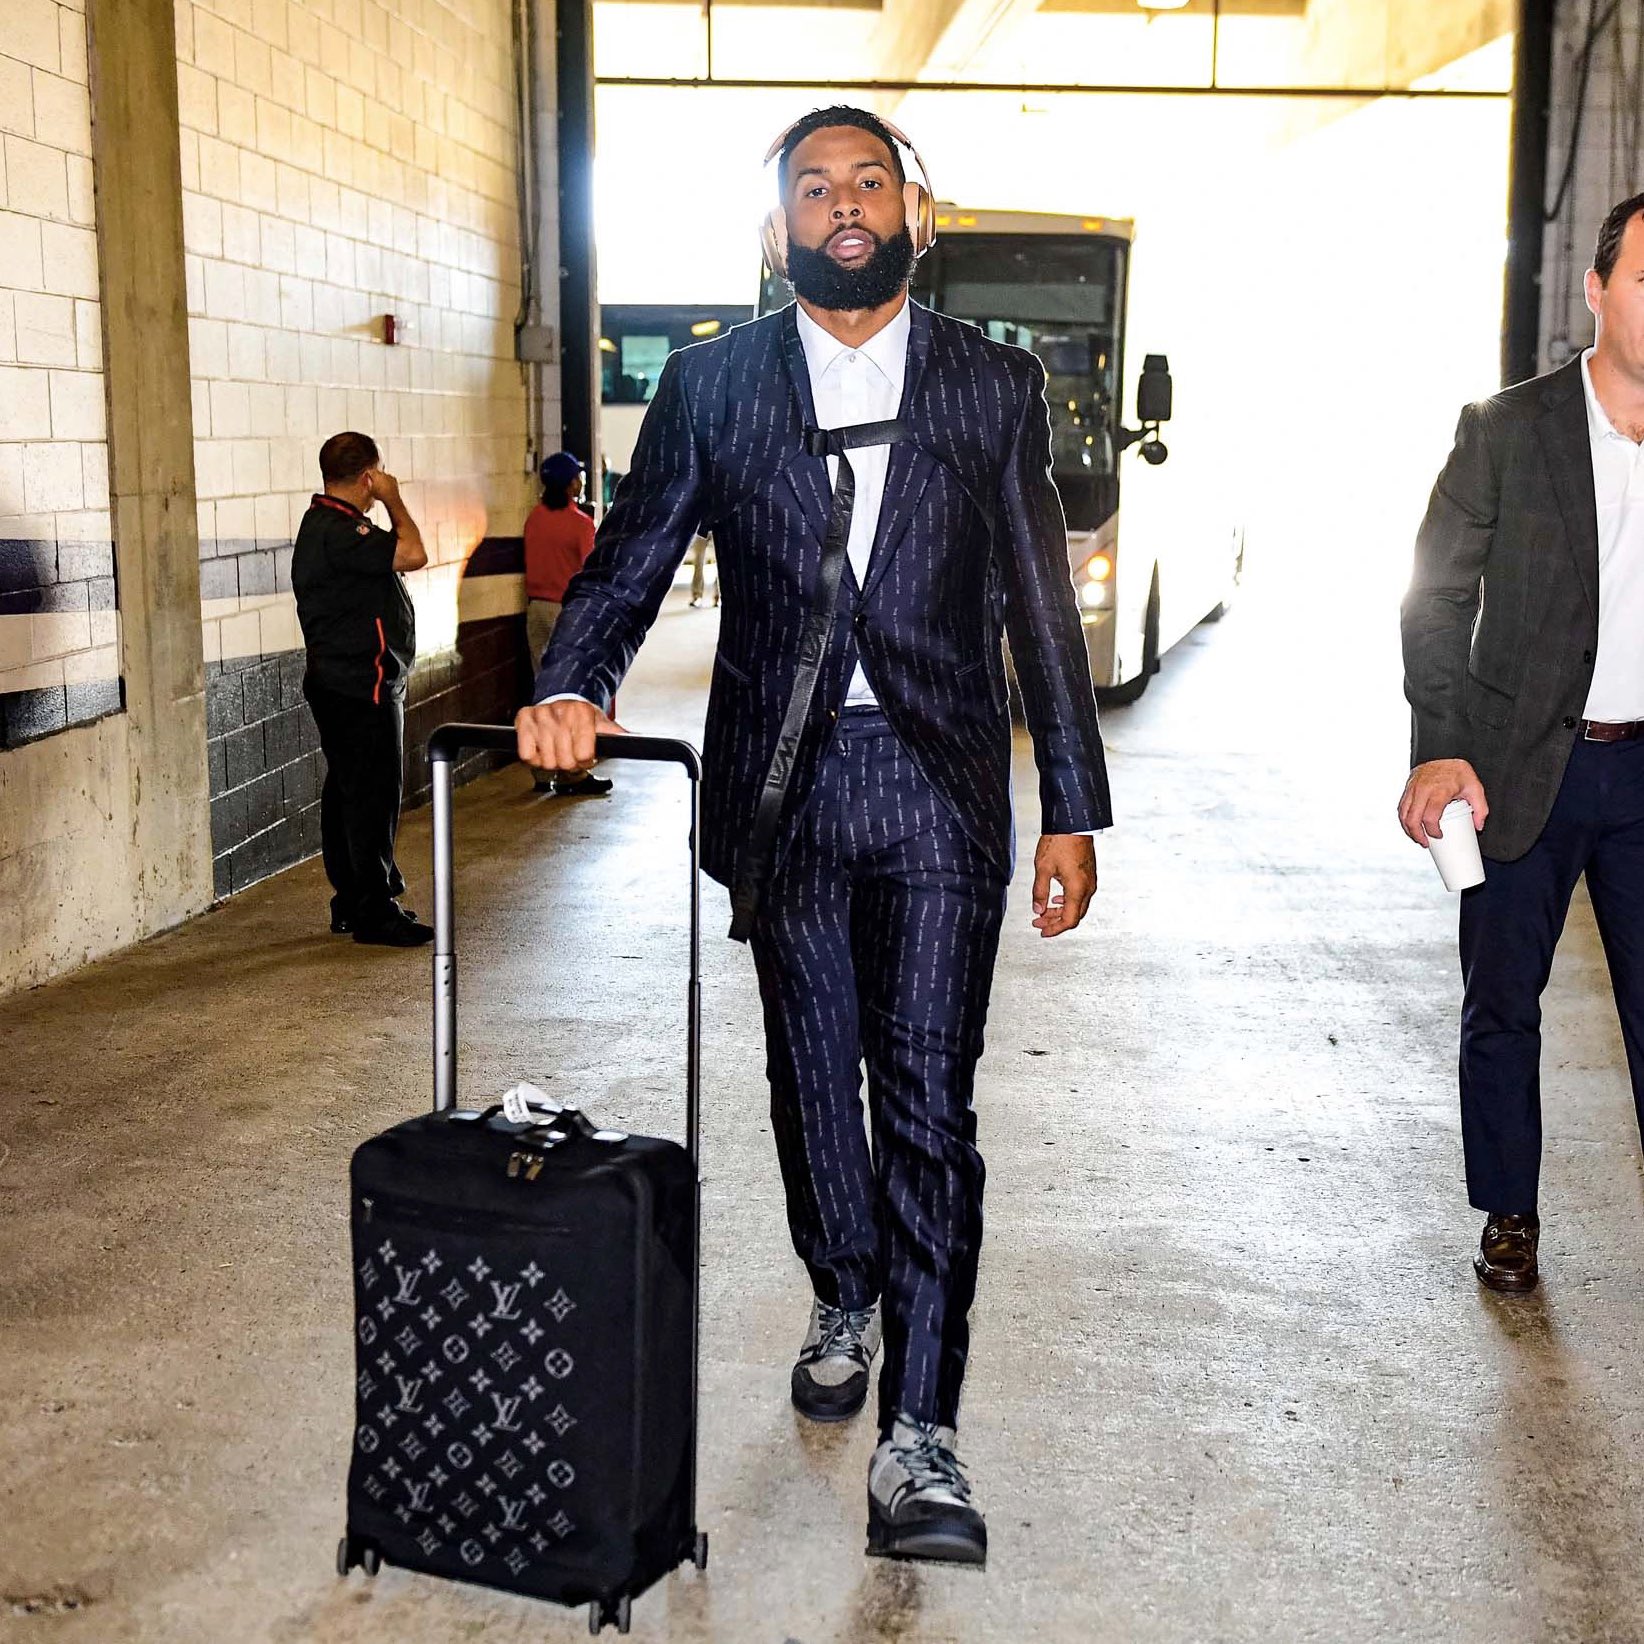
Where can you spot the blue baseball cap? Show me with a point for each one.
(560, 469)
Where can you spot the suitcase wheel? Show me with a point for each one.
(699, 1553)
(619, 1612)
(351, 1551)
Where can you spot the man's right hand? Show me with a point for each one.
(1431, 787)
(559, 736)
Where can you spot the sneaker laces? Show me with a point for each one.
(840, 1332)
(930, 1464)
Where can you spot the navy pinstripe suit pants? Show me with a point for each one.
(875, 943)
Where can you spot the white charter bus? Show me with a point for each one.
(635, 339)
(1059, 285)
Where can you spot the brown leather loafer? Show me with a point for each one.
(1506, 1258)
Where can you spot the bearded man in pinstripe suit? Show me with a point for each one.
(877, 481)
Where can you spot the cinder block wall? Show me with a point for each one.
(342, 161)
(1599, 144)
(339, 160)
(69, 887)
(58, 657)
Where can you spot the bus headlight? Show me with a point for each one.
(1097, 592)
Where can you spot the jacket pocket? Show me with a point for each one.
(1488, 704)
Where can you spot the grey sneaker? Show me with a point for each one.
(919, 1501)
(830, 1379)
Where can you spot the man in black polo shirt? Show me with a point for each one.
(361, 636)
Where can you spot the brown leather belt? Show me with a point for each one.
(1611, 730)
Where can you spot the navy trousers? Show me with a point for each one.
(875, 943)
(1509, 927)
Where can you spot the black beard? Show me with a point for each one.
(817, 278)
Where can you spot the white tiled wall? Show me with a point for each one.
(341, 160)
(53, 455)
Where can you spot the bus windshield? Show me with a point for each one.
(1060, 296)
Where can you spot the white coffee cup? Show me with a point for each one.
(1457, 854)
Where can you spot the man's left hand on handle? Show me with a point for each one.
(559, 736)
(1067, 860)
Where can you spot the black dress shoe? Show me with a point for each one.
(585, 787)
(342, 924)
(1506, 1259)
(399, 930)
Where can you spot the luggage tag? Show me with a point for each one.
(524, 1103)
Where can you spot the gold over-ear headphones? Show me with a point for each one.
(918, 200)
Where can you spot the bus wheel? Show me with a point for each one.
(1121, 696)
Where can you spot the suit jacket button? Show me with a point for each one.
(1569, 722)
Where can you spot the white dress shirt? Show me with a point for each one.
(851, 385)
(1617, 691)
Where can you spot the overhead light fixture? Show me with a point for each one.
(1162, 5)
(704, 328)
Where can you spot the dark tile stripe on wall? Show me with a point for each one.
(235, 566)
(44, 578)
(265, 766)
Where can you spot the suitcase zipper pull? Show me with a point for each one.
(533, 1167)
(515, 1160)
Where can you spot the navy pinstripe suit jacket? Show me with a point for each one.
(971, 543)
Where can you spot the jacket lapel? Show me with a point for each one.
(808, 475)
(1569, 451)
(910, 468)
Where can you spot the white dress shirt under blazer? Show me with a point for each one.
(851, 385)
(1617, 691)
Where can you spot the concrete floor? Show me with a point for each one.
(1233, 1378)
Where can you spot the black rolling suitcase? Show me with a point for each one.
(525, 1297)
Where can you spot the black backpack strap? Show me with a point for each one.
(759, 857)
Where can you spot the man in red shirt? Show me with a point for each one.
(558, 538)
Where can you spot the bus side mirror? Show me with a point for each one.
(1154, 392)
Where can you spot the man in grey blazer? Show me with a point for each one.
(1524, 667)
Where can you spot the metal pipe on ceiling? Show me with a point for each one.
(1051, 88)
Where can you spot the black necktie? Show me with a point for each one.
(758, 859)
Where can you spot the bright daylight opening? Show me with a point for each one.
(1322, 274)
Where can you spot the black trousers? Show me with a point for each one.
(875, 942)
(363, 743)
(1510, 926)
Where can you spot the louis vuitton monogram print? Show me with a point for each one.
(465, 1404)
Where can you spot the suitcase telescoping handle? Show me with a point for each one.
(444, 746)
